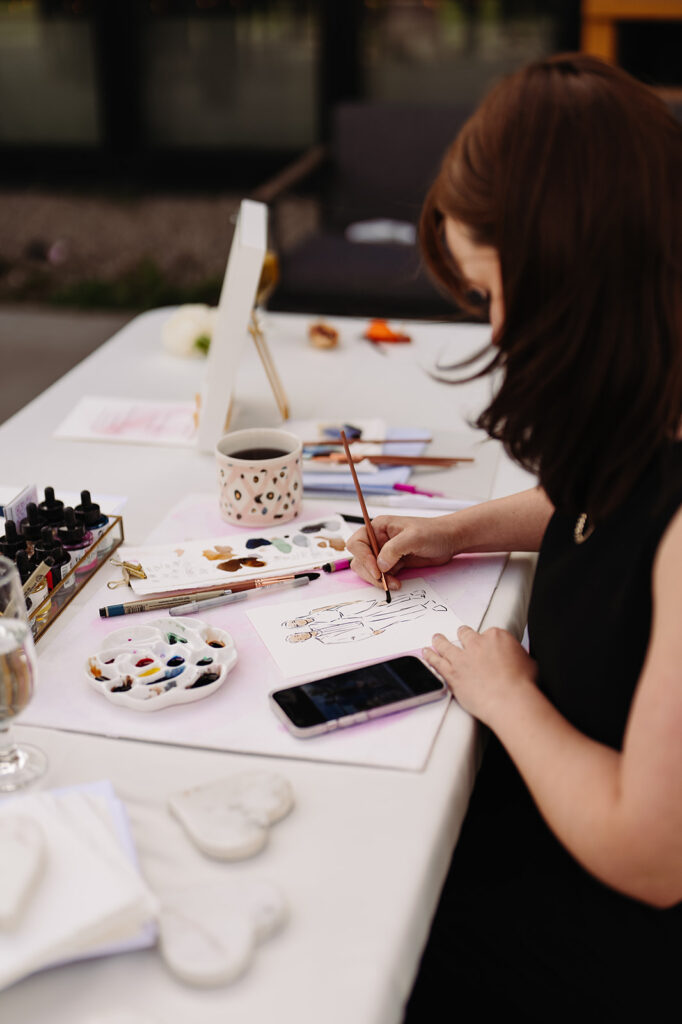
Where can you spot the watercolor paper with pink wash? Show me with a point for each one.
(130, 421)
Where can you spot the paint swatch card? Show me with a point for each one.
(96, 418)
(309, 636)
(244, 556)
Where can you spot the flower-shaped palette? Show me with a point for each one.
(165, 662)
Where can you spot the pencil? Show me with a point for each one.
(365, 515)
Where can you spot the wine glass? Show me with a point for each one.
(20, 764)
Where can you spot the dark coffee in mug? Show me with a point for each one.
(258, 454)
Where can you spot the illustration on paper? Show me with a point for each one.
(311, 638)
(350, 621)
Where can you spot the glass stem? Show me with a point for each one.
(10, 755)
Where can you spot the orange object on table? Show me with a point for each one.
(379, 330)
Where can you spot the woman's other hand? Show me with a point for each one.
(485, 672)
(404, 542)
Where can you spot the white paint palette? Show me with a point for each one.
(163, 663)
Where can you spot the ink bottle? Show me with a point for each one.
(39, 591)
(32, 525)
(49, 547)
(76, 540)
(52, 508)
(93, 519)
(12, 542)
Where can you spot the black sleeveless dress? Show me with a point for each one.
(521, 926)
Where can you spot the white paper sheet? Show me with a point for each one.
(309, 635)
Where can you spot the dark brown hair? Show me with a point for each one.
(572, 170)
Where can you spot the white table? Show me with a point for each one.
(363, 855)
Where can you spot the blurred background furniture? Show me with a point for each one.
(371, 181)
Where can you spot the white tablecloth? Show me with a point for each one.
(363, 855)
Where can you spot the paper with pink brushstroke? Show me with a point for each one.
(124, 420)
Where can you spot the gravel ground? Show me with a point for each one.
(53, 243)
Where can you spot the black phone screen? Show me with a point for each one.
(361, 689)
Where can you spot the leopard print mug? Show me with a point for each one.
(259, 477)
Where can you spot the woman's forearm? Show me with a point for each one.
(515, 523)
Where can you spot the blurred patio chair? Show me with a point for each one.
(371, 181)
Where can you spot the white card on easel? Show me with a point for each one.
(237, 299)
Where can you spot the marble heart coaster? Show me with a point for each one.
(22, 859)
(208, 936)
(230, 818)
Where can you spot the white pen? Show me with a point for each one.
(421, 501)
(216, 602)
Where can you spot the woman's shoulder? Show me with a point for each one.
(668, 561)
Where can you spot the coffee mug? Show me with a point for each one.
(259, 476)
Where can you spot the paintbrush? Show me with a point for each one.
(365, 515)
(174, 598)
(362, 440)
(218, 602)
(267, 581)
(442, 461)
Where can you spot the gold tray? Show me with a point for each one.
(92, 559)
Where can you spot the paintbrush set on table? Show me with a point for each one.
(384, 458)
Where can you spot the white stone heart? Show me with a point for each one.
(229, 818)
(208, 934)
(211, 951)
(22, 859)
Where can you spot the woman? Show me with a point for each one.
(560, 205)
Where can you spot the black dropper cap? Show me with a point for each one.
(51, 507)
(88, 511)
(12, 540)
(24, 566)
(49, 549)
(73, 531)
(47, 543)
(33, 523)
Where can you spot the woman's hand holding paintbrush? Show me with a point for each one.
(365, 515)
(404, 542)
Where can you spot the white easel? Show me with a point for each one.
(237, 318)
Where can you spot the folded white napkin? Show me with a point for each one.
(90, 899)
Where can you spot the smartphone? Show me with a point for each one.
(351, 697)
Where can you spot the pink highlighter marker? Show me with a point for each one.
(336, 566)
(414, 490)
